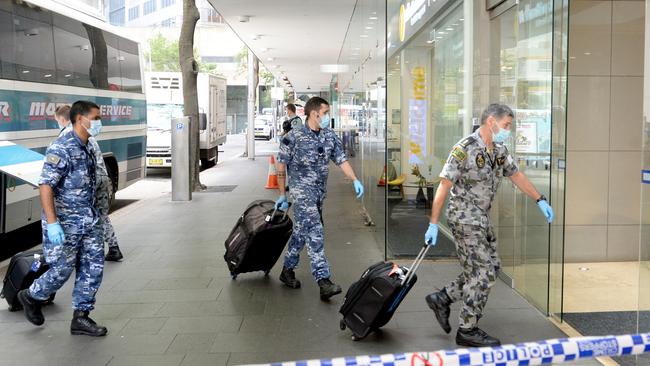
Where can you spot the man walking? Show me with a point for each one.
(72, 232)
(472, 174)
(305, 153)
(293, 121)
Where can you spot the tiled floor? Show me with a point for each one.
(172, 302)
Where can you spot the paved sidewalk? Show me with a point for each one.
(172, 302)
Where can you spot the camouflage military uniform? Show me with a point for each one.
(103, 192)
(476, 173)
(307, 155)
(69, 169)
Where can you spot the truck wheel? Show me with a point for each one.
(206, 164)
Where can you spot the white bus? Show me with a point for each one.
(52, 55)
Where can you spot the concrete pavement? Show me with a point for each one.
(172, 302)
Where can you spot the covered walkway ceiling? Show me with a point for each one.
(292, 38)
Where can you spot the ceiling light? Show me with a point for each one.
(270, 59)
(441, 32)
(369, 28)
(461, 19)
(587, 53)
(67, 75)
(244, 18)
(25, 71)
(583, 269)
(334, 69)
(430, 41)
(47, 75)
(373, 18)
(450, 28)
(308, 88)
(276, 66)
(84, 47)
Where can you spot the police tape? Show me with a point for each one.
(554, 351)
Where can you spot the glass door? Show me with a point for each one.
(522, 79)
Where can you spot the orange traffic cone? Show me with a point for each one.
(382, 180)
(272, 181)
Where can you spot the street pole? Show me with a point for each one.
(253, 78)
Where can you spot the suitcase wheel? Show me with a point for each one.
(233, 276)
(342, 325)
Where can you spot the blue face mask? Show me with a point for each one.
(95, 127)
(502, 136)
(325, 121)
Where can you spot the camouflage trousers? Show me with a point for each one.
(308, 230)
(477, 252)
(81, 251)
(103, 198)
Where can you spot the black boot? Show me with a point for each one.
(439, 302)
(328, 289)
(475, 337)
(114, 254)
(288, 277)
(82, 325)
(32, 307)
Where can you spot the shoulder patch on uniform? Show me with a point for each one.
(459, 154)
(52, 159)
(467, 141)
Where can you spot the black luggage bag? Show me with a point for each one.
(20, 276)
(371, 301)
(258, 239)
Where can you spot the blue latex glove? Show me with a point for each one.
(431, 236)
(282, 204)
(55, 233)
(358, 188)
(546, 209)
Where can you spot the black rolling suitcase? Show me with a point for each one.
(371, 301)
(258, 239)
(21, 273)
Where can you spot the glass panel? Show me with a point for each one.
(7, 58)
(425, 120)
(33, 45)
(522, 71)
(108, 69)
(130, 66)
(558, 160)
(360, 105)
(74, 55)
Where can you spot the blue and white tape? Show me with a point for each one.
(20, 162)
(553, 351)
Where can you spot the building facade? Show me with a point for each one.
(573, 72)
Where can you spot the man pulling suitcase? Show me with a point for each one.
(472, 174)
(305, 153)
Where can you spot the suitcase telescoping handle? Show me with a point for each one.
(416, 263)
(275, 210)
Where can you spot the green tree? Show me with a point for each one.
(266, 77)
(163, 56)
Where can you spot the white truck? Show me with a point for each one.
(164, 92)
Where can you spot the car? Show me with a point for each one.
(263, 128)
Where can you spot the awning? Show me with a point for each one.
(21, 162)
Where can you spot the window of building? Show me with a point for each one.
(149, 7)
(117, 17)
(171, 22)
(166, 3)
(134, 12)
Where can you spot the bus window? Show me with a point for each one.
(108, 70)
(130, 66)
(33, 45)
(74, 54)
(7, 58)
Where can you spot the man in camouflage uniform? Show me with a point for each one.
(472, 174)
(104, 189)
(72, 233)
(305, 153)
